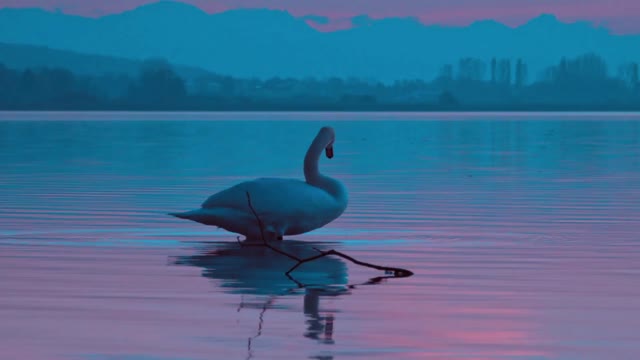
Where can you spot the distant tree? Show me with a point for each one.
(446, 72)
(7, 86)
(7, 78)
(628, 73)
(27, 83)
(335, 83)
(56, 81)
(521, 73)
(204, 85)
(228, 85)
(445, 76)
(588, 68)
(471, 69)
(447, 99)
(503, 75)
(493, 70)
(158, 85)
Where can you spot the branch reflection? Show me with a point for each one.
(259, 272)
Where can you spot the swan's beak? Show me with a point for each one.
(329, 151)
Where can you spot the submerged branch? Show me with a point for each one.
(397, 272)
(264, 240)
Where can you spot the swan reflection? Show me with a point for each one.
(259, 272)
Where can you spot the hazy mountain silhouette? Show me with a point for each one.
(268, 43)
(28, 57)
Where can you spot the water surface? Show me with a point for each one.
(523, 233)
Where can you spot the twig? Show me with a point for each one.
(264, 240)
(300, 285)
(397, 272)
(260, 322)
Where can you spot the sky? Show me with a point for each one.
(620, 16)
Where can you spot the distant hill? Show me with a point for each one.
(267, 43)
(20, 57)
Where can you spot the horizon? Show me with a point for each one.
(327, 19)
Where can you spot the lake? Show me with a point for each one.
(523, 231)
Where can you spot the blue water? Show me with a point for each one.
(522, 231)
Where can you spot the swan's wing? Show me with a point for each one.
(285, 206)
(275, 197)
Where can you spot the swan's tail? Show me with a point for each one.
(230, 220)
(199, 215)
(183, 215)
(204, 216)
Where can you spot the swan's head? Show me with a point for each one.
(329, 136)
(329, 151)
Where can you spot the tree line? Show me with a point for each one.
(581, 83)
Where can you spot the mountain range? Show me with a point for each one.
(266, 43)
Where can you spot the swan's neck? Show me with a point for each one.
(312, 174)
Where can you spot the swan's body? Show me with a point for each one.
(285, 206)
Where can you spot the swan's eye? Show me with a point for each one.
(329, 151)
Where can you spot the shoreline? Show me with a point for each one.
(121, 115)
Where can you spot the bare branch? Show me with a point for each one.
(397, 272)
(264, 240)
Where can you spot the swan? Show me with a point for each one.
(285, 206)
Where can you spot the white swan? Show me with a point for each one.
(285, 206)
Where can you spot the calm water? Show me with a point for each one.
(523, 233)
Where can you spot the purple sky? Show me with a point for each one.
(621, 16)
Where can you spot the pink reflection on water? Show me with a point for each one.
(73, 301)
